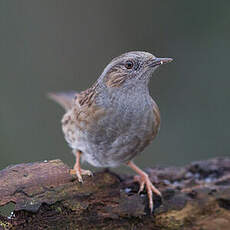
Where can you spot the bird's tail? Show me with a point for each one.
(65, 99)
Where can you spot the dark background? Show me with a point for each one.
(63, 45)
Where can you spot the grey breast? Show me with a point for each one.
(124, 131)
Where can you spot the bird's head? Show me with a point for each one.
(131, 68)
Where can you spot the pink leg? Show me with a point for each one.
(77, 170)
(144, 180)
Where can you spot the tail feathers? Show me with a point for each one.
(65, 99)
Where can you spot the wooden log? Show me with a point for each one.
(46, 196)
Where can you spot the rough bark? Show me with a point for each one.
(46, 196)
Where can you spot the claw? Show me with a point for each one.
(79, 173)
(86, 172)
(144, 181)
(141, 183)
(77, 169)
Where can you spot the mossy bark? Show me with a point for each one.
(46, 196)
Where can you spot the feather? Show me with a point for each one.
(65, 99)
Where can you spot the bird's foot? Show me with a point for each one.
(144, 181)
(80, 172)
(77, 170)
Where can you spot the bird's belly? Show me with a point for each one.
(121, 151)
(110, 148)
(111, 142)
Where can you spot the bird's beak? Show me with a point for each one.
(159, 61)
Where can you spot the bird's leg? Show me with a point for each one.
(143, 179)
(77, 170)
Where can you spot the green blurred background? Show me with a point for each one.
(63, 45)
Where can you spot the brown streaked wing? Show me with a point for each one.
(86, 98)
(86, 111)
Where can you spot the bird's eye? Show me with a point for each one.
(129, 65)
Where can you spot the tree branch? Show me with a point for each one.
(46, 196)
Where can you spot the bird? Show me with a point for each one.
(111, 122)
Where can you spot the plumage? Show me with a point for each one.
(65, 99)
(114, 120)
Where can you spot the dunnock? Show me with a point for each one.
(114, 120)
